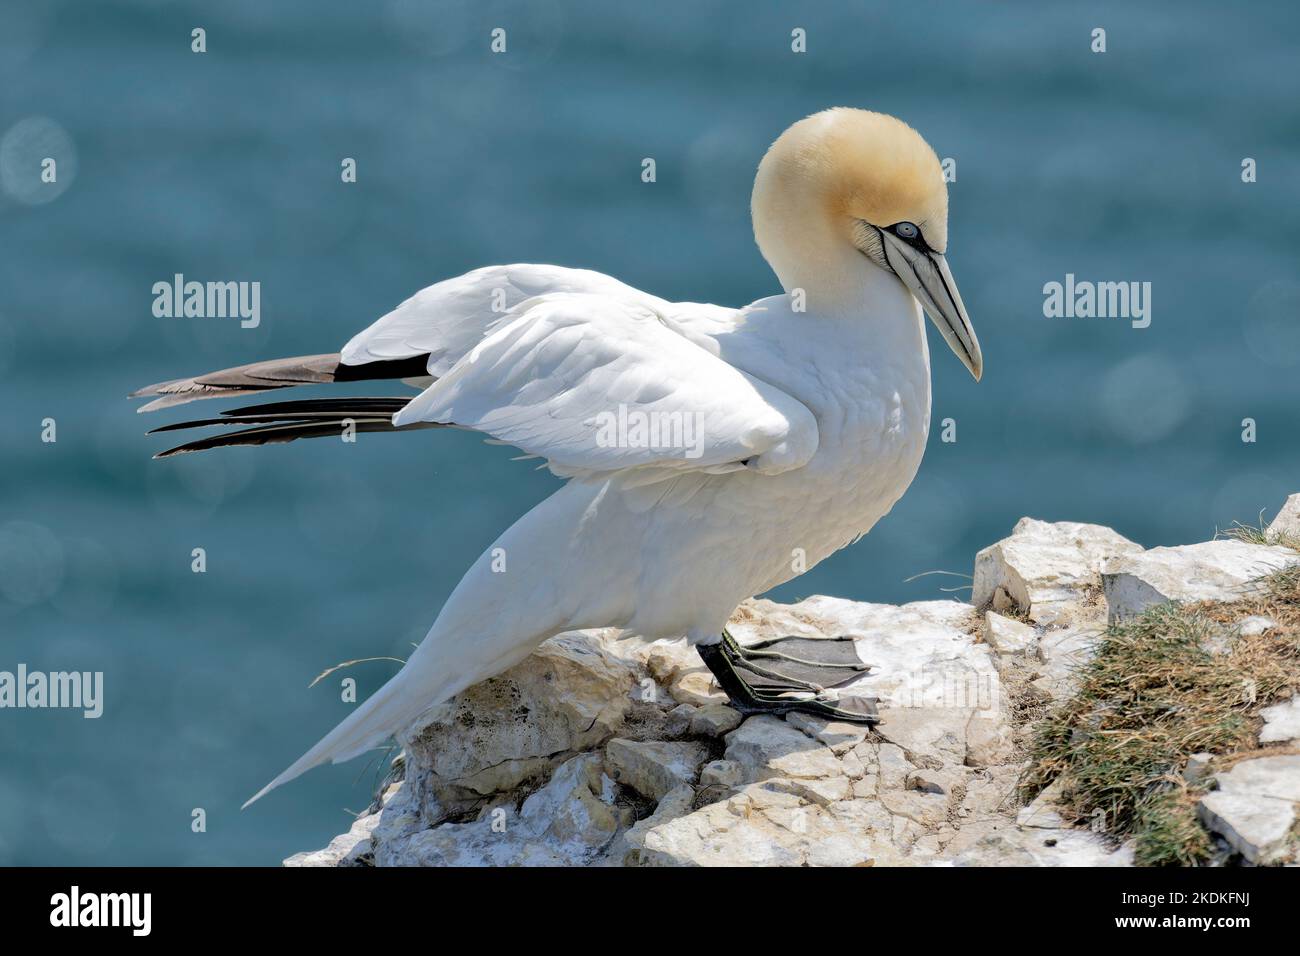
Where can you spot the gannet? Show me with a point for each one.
(810, 412)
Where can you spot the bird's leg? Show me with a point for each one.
(777, 694)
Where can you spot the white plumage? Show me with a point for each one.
(813, 420)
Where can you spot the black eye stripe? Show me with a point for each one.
(915, 240)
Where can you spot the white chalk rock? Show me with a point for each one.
(516, 727)
(1255, 625)
(680, 674)
(1281, 722)
(1008, 636)
(994, 845)
(922, 655)
(1255, 807)
(721, 773)
(1044, 811)
(839, 736)
(934, 733)
(1288, 519)
(568, 822)
(764, 824)
(990, 741)
(677, 722)
(400, 818)
(1210, 571)
(766, 746)
(654, 768)
(697, 688)
(1063, 653)
(799, 791)
(714, 720)
(1045, 567)
(346, 849)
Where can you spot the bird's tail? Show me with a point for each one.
(277, 422)
(386, 712)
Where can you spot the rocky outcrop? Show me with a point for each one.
(1287, 520)
(1256, 807)
(1281, 723)
(515, 729)
(1212, 571)
(1046, 569)
(602, 750)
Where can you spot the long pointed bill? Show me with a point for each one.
(928, 276)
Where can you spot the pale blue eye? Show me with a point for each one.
(906, 230)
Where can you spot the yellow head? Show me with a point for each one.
(846, 190)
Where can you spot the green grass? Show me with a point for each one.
(1152, 696)
(1252, 534)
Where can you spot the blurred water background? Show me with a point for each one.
(226, 166)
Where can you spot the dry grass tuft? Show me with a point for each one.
(1174, 682)
(1258, 534)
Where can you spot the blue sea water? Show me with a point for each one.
(1116, 166)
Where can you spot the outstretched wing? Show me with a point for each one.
(596, 385)
(447, 319)
(434, 331)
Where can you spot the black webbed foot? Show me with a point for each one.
(809, 663)
(782, 675)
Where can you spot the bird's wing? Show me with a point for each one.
(597, 385)
(447, 319)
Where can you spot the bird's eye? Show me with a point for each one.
(906, 230)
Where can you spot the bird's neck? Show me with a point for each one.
(819, 268)
(831, 281)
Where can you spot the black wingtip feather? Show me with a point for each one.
(277, 373)
(291, 431)
(340, 406)
(279, 422)
(265, 420)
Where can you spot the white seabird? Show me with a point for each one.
(808, 414)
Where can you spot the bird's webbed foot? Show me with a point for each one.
(807, 663)
(788, 674)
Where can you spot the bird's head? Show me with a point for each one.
(846, 190)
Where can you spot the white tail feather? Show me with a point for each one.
(438, 669)
(386, 712)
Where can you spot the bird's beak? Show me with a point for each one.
(927, 274)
